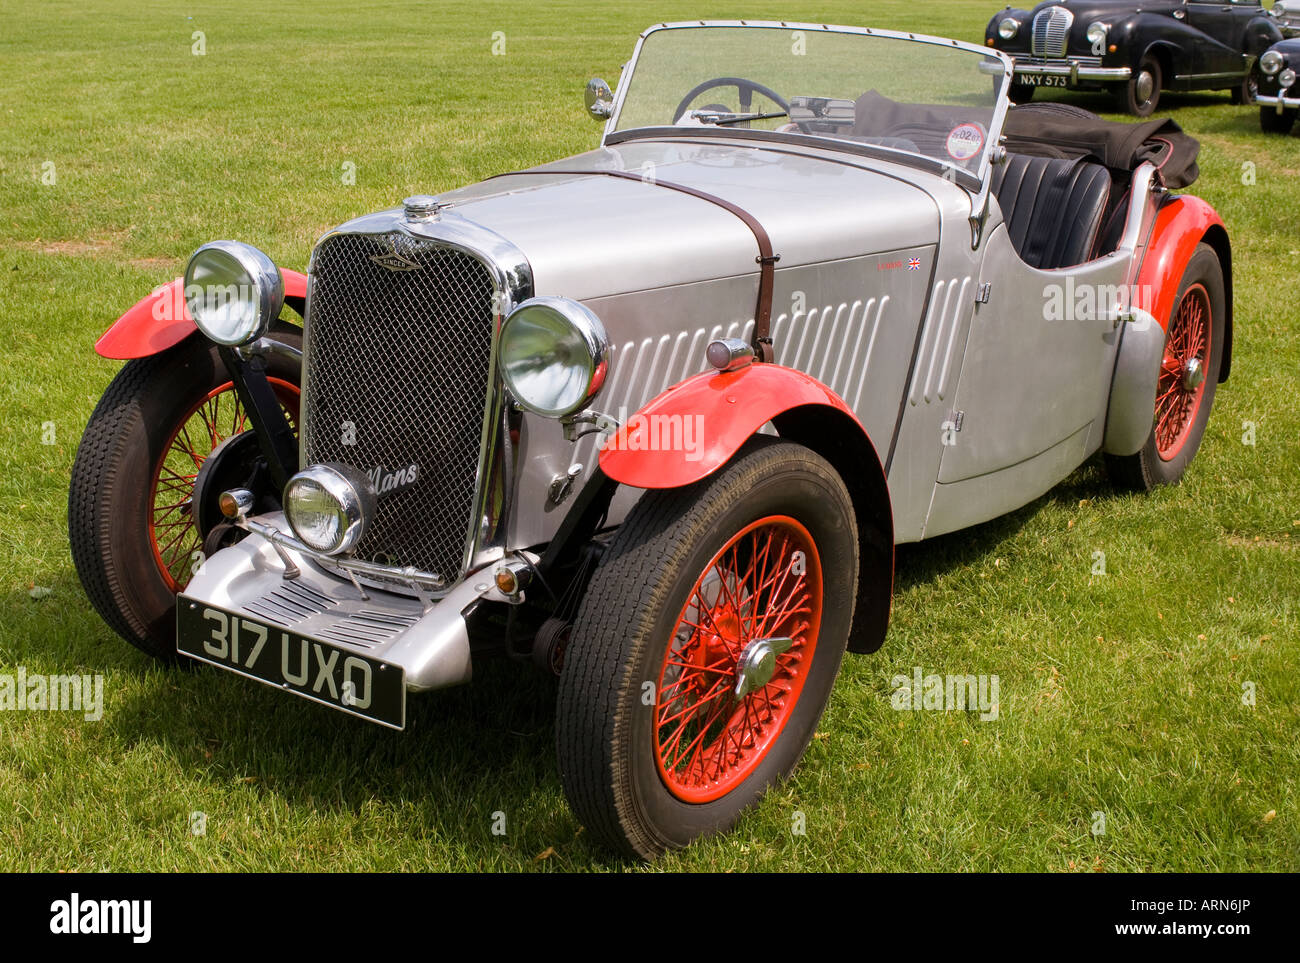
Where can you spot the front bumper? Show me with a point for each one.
(1075, 70)
(428, 639)
(1280, 100)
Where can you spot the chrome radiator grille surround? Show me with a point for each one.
(1051, 32)
(396, 373)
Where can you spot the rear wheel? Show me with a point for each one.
(1189, 374)
(706, 648)
(1271, 122)
(131, 520)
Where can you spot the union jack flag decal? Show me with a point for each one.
(914, 264)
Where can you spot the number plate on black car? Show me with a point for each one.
(302, 665)
(1043, 80)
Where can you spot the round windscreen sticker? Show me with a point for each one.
(965, 141)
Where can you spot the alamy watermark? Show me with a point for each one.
(659, 432)
(22, 692)
(946, 693)
(1098, 302)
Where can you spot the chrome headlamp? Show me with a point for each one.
(1096, 33)
(1286, 78)
(553, 355)
(1270, 62)
(1008, 28)
(328, 507)
(233, 291)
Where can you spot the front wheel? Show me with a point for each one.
(1271, 122)
(131, 519)
(1141, 94)
(1020, 93)
(1244, 93)
(706, 649)
(1189, 374)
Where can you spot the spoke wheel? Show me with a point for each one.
(172, 530)
(1194, 354)
(131, 518)
(703, 655)
(1181, 385)
(765, 583)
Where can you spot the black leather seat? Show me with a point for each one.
(1052, 207)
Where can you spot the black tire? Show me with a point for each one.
(1021, 93)
(1149, 467)
(1271, 122)
(1244, 93)
(1130, 94)
(605, 735)
(110, 494)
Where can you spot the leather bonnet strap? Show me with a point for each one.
(766, 260)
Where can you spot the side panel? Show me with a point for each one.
(1038, 362)
(930, 365)
(999, 492)
(851, 324)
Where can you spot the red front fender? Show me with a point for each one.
(693, 429)
(161, 320)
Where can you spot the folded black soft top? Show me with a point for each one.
(1043, 130)
(1062, 130)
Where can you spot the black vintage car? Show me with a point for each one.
(1135, 49)
(1275, 78)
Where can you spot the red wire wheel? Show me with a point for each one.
(1181, 385)
(173, 533)
(764, 584)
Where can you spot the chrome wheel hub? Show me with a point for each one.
(1144, 87)
(757, 663)
(1193, 374)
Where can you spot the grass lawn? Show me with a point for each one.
(1121, 693)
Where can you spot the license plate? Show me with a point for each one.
(307, 667)
(1043, 80)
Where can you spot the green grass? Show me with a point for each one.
(1120, 692)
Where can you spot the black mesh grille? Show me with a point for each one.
(396, 373)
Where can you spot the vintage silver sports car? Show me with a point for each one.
(655, 416)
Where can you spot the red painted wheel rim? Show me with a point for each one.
(173, 534)
(706, 742)
(1188, 341)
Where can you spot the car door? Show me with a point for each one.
(1031, 396)
(1222, 25)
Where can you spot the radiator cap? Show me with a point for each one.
(422, 207)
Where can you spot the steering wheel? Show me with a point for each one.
(744, 88)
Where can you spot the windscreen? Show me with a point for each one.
(919, 97)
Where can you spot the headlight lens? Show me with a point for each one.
(1008, 28)
(553, 353)
(233, 291)
(1286, 78)
(328, 507)
(1097, 33)
(1271, 62)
